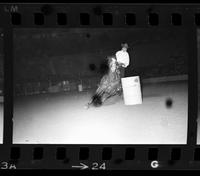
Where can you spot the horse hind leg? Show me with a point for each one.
(106, 96)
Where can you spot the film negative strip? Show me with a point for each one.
(99, 86)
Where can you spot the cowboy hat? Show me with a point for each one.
(124, 45)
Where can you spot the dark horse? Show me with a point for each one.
(110, 84)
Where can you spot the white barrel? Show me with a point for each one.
(80, 87)
(132, 90)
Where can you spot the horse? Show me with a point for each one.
(110, 84)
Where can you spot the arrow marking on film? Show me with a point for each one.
(83, 166)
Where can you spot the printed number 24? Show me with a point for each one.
(95, 166)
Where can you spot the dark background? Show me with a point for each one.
(198, 59)
(198, 68)
(60, 54)
(1, 61)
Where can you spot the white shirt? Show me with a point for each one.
(123, 57)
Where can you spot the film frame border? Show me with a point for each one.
(114, 156)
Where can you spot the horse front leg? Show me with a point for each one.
(106, 96)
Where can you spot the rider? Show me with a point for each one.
(123, 59)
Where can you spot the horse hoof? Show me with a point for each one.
(87, 106)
